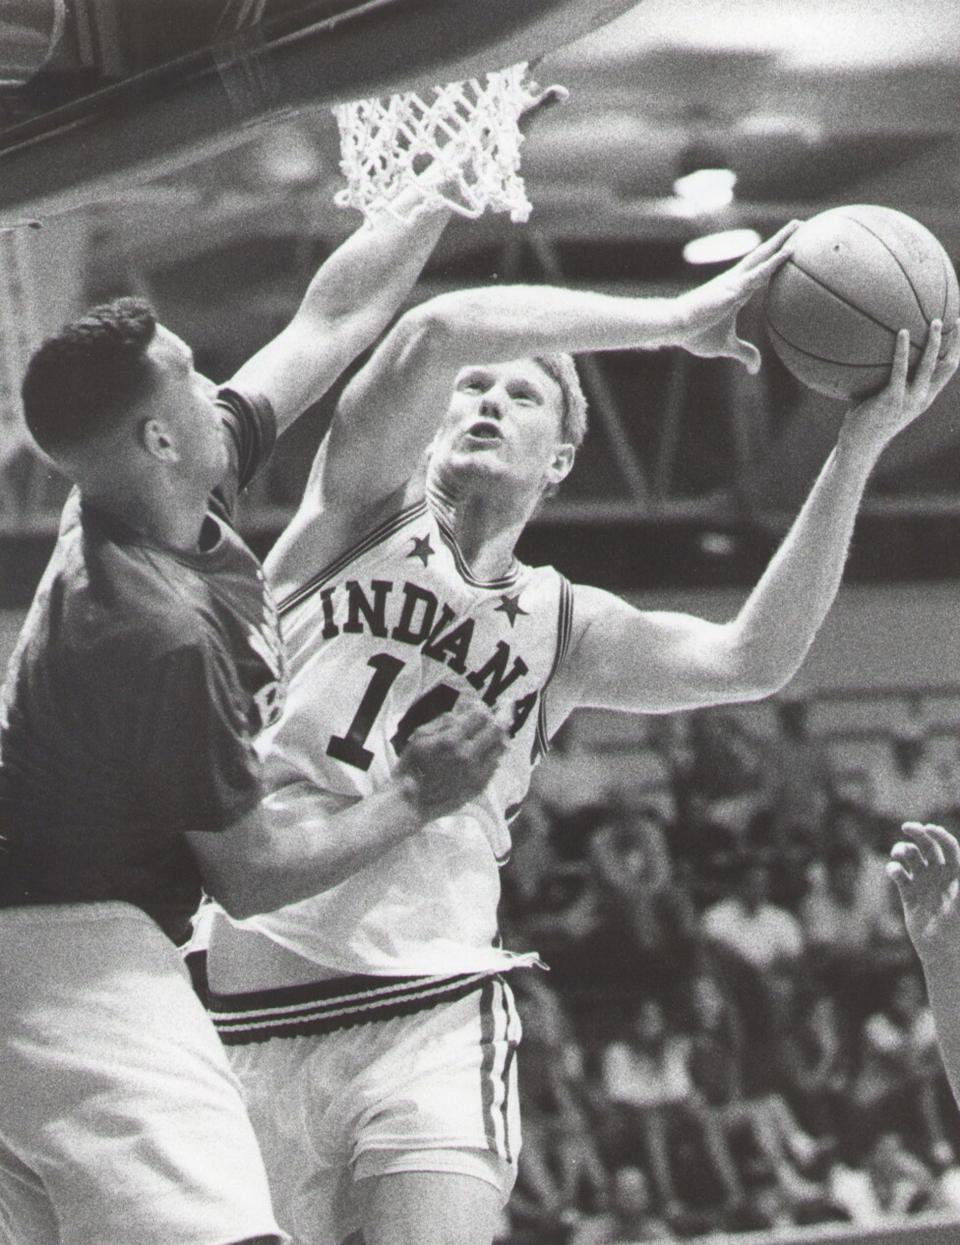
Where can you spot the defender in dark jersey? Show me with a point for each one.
(149, 659)
(140, 677)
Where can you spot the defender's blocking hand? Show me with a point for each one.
(450, 760)
(708, 314)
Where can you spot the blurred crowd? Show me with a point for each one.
(733, 1034)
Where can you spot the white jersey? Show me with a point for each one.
(382, 640)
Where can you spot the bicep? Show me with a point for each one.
(647, 661)
(388, 414)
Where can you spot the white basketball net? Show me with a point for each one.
(462, 147)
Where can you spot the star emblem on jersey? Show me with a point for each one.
(422, 549)
(510, 605)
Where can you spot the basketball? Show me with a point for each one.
(857, 275)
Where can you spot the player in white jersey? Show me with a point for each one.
(402, 599)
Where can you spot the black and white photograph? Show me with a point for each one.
(604, 353)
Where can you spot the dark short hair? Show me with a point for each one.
(79, 382)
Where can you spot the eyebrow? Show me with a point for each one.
(530, 386)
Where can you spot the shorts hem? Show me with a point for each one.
(479, 1163)
(72, 913)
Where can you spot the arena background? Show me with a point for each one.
(690, 475)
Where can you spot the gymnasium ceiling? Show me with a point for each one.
(810, 102)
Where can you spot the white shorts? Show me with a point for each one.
(430, 1091)
(120, 1121)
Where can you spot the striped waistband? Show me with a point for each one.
(326, 1006)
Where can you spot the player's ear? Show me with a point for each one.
(157, 439)
(561, 464)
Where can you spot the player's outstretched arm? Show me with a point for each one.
(390, 411)
(349, 302)
(359, 289)
(925, 866)
(628, 659)
(279, 856)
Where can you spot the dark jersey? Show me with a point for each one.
(139, 679)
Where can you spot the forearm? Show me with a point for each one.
(498, 323)
(773, 632)
(376, 267)
(346, 307)
(942, 973)
(293, 848)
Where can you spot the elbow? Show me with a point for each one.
(246, 890)
(445, 329)
(427, 331)
(757, 676)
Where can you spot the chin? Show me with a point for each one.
(460, 468)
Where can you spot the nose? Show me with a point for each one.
(490, 406)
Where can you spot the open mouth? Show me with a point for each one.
(486, 431)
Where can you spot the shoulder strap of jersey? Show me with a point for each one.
(373, 538)
(564, 631)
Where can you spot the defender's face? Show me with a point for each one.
(189, 408)
(504, 423)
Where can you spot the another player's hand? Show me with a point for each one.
(451, 760)
(926, 869)
(708, 314)
(878, 419)
(538, 101)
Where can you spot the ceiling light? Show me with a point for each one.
(720, 248)
(706, 190)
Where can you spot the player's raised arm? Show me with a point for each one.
(925, 866)
(349, 302)
(628, 659)
(389, 412)
(359, 289)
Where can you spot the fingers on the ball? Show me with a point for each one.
(776, 241)
(947, 365)
(901, 359)
(749, 356)
(928, 360)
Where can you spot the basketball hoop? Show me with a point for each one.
(462, 147)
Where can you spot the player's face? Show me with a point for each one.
(504, 424)
(188, 405)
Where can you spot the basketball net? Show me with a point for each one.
(460, 144)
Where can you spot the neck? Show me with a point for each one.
(162, 511)
(486, 522)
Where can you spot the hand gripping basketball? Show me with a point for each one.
(877, 420)
(451, 760)
(709, 312)
(858, 274)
